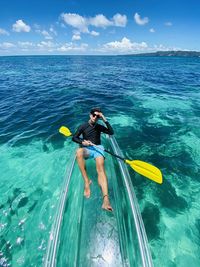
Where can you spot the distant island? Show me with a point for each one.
(168, 54)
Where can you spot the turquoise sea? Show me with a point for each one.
(153, 105)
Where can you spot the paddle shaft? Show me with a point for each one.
(107, 151)
(117, 156)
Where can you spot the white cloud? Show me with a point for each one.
(76, 37)
(71, 47)
(45, 34)
(75, 21)
(139, 20)
(94, 33)
(120, 20)
(46, 45)
(53, 31)
(124, 46)
(162, 47)
(152, 30)
(3, 32)
(100, 21)
(20, 26)
(6, 45)
(25, 44)
(168, 23)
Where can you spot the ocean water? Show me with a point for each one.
(153, 105)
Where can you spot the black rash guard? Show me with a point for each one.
(92, 132)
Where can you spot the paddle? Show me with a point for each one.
(141, 167)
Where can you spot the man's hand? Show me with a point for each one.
(101, 116)
(87, 143)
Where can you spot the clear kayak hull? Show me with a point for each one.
(85, 235)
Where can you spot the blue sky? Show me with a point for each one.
(67, 27)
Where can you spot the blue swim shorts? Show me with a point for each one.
(93, 152)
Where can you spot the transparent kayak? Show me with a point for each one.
(85, 235)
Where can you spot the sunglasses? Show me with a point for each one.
(95, 115)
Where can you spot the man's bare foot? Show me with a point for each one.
(87, 189)
(106, 204)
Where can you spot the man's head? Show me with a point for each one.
(94, 114)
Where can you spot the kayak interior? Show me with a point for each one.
(85, 235)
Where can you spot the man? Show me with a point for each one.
(91, 148)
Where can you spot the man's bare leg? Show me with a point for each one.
(102, 180)
(81, 164)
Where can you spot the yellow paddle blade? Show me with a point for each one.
(146, 170)
(65, 131)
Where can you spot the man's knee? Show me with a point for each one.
(79, 153)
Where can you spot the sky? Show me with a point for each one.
(105, 27)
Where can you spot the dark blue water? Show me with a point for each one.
(153, 105)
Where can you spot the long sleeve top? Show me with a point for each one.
(92, 132)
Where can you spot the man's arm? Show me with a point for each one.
(76, 137)
(108, 129)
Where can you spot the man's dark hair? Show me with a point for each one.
(92, 111)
